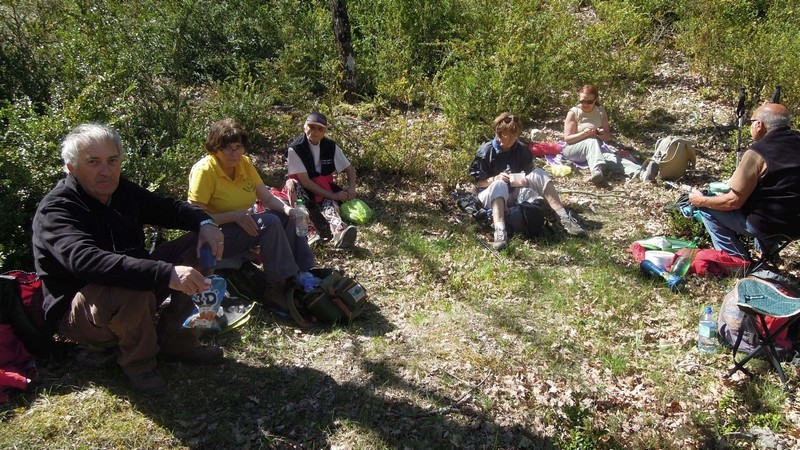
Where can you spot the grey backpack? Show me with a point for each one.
(674, 155)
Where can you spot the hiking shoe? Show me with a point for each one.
(597, 176)
(312, 236)
(650, 172)
(500, 239)
(279, 295)
(201, 355)
(233, 313)
(276, 294)
(345, 238)
(149, 383)
(571, 225)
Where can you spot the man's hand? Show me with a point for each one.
(696, 197)
(210, 234)
(351, 193)
(187, 280)
(340, 196)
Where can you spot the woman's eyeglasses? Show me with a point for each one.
(510, 119)
(587, 102)
(234, 148)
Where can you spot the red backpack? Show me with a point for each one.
(21, 306)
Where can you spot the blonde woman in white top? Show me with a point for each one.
(586, 129)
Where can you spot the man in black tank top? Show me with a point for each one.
(312, 161)
(764, 200)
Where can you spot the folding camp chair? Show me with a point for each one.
(770, 252)
(757, 300)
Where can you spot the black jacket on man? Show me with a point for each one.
(78, 240)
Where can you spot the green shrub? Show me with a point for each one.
(30, 165)
(747, 43)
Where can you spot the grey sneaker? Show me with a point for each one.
(649, 172)
(345, 238)
(571, 225)
(597, 176)
(500, 239)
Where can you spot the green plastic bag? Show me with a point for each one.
(356, 211)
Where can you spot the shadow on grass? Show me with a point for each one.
(236, 405)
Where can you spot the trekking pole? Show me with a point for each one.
(740, 115)
(477, 236)
(487, 247)
(776, 95)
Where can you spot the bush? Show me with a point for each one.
(747, 43)
(526, 66)
(29, 167)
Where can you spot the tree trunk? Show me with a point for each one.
(344, 47)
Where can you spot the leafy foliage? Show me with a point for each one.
(744, 43)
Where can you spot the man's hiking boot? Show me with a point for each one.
(649, 172)
(201, 355)
(500, 239)
(571, 225)
(276, 294)
(149, 383)
(345, 237)
(597, 175)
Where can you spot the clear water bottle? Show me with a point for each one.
(301, 219)
(707, 332)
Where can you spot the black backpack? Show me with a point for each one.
(470, 204)
(526, 218)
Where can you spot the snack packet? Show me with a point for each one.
(206, 305)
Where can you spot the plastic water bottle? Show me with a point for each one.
(707, 332)
(301, 219)
(675, 283)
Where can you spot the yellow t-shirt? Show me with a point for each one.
(209, 184)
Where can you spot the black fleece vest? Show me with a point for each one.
(327, 149)
(774, 205)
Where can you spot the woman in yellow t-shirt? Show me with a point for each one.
(226, 184)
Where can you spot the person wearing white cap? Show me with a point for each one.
(312, 161)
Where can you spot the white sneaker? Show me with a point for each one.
(500, 239)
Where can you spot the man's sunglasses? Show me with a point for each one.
(586, 102)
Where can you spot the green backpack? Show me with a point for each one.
(337, 298)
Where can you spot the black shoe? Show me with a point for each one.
(345, 238)
(201, 355)
(149, 383)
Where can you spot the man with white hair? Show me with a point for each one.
(764, 199)
(101, 285)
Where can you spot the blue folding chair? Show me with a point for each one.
(757, 300)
